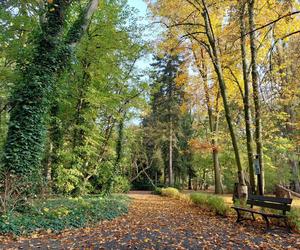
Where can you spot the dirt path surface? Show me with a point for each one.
(155, 222)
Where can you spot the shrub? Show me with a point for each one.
(199, 199)
(240, 202)
(157, 191)
(212, 202)
(179, 186)
(121, 185)
(218, 205)
(170, 192)
(184, 197)
(294, 218)
(173, 193)
(61, 213)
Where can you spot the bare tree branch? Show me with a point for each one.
(272, 22)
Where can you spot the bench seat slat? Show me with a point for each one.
(260, 212)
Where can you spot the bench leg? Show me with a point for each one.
(239, 217)
(267, 222)
(287, 225)
(253, 218)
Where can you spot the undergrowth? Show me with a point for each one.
(294, 218)
(170, 192)
(212, 202)
(63, 213)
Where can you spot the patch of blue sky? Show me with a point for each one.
(150, 34)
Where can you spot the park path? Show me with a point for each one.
(155, 222)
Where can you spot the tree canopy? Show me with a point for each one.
(80, 113)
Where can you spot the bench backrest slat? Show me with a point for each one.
(270, 199)
(277, 206)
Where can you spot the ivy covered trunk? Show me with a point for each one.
(25, 139)
(119, 141)
(30, 100)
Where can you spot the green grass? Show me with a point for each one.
(201, 198)
(63, 213)
(228, 199)
(294, 218)
(212, 202)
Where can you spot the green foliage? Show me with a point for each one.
(170, 192)
(294, 218)
(121, 185)
(26, 134)
(15, 31)
(227, 160)
(277, 158)
(61, 213)
(212, 202)
(67, 179)
(218, 205)
(240, 202)
(157, 191)
(199, 198)
(167, 119)
(103, 82)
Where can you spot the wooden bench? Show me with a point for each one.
(281, 204)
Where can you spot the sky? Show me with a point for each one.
(140, 5)
(142, 64)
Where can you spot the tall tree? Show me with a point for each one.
(246, 96)
(213, 117)
(26, 135)
(166, 99)
(256, 94)
(214, 54)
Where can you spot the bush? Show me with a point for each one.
(184, 197)
(157, 191)
(240, 203)
(121, 185)
(294, 218)
(170, 192)
(218, 205)
(62, 213)
(212, 202)
(199, 199)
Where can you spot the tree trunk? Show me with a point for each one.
(49, 164)
(213, 52)
(190, 182)
(119, 142)
(295, 175)
(27, 125)
(246, 99)
(213, 123)
(25, 138)
(171, 174)
(256, 94)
